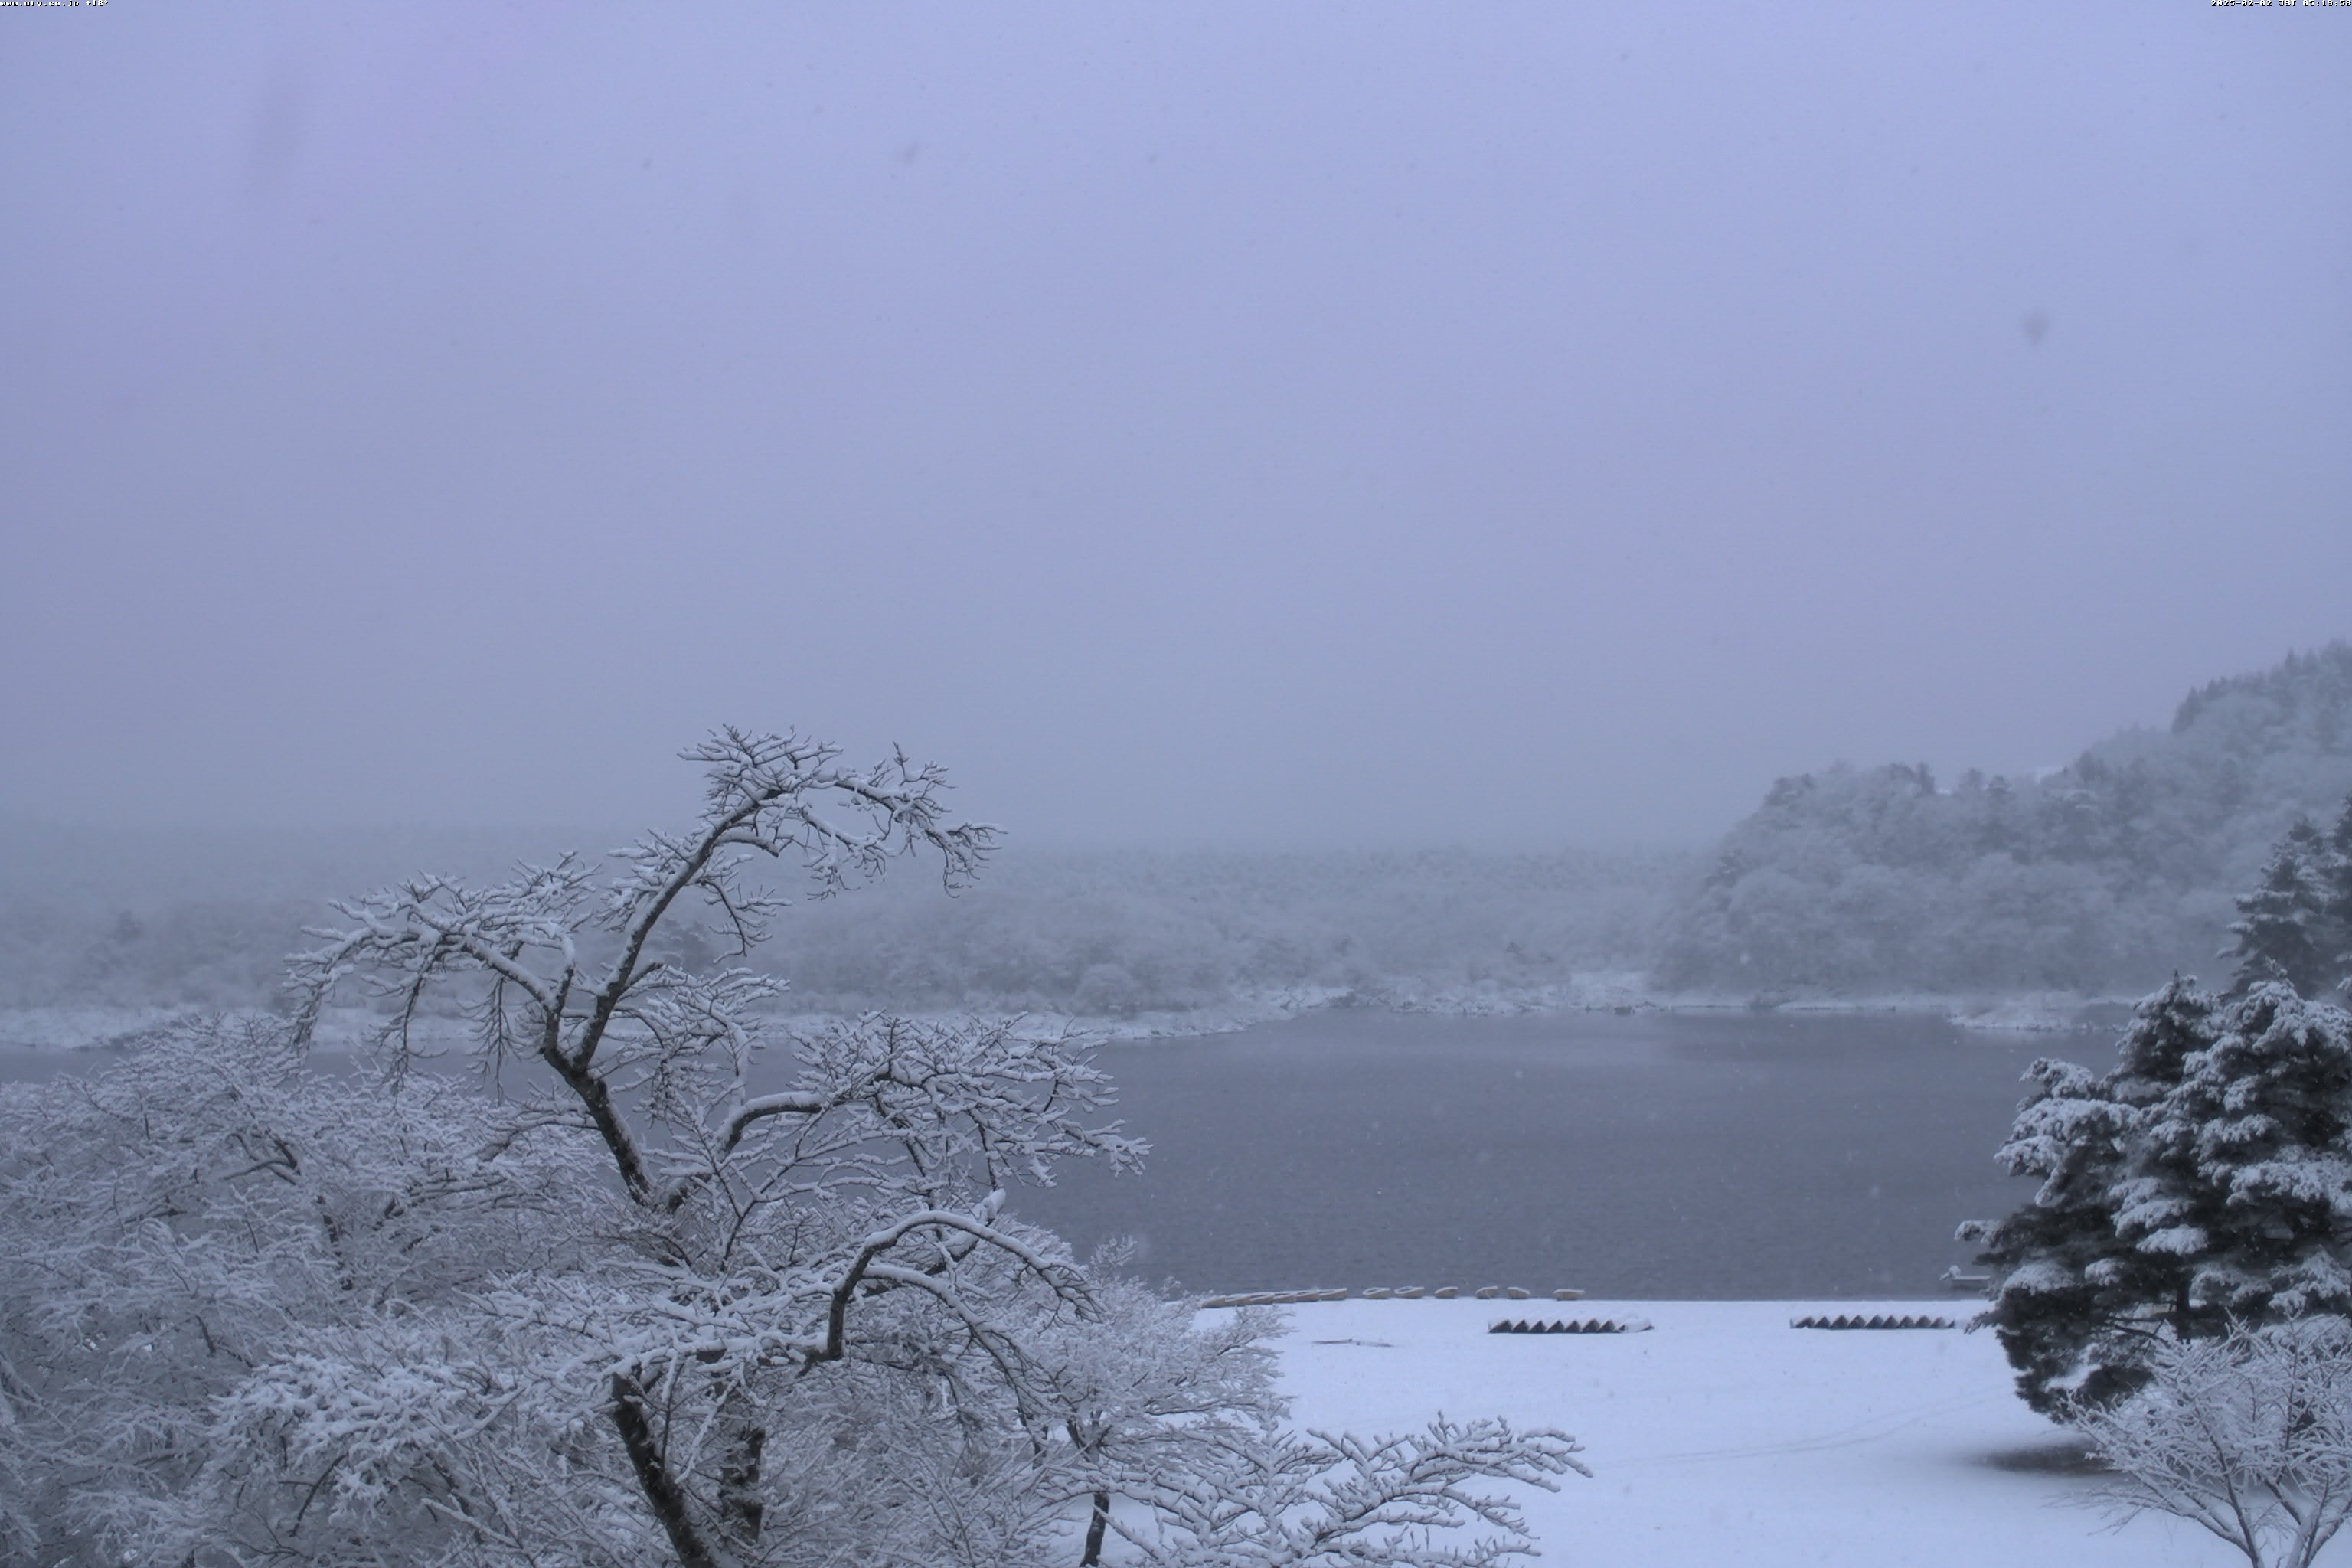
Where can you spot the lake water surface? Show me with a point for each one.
(1660, 1155)
(1664, 1155)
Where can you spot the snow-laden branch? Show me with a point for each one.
(1321, 1499)
(288, 1316)
(777, 795)
(2249, 1437)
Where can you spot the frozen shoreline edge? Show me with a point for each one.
(115, 1028)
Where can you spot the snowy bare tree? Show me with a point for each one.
(1140, 1388)
(1322, 1499)
(648, 1302)
(2248, 1436)
(185, 1226)
(768, 1233)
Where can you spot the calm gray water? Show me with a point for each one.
(1660, 1155)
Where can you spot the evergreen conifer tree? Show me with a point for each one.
(2278, 928)
(2205, 1180)
(2257, 1142)
(2071, 1297)
(2335, 882)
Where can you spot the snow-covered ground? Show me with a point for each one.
(1725, 1439)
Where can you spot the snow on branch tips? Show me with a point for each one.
(693, 1287)
(2248, 1436)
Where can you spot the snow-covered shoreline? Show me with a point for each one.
(90, 1028)
(2039, 1012)
(1724, 1436)
(100, 1028)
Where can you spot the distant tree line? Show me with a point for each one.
(2105, 873)
(1103, 934)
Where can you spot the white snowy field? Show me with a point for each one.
(1725, 1439)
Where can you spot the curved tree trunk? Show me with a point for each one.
(662, 1491)
(1095, 1528)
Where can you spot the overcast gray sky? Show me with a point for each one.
(1292, 423)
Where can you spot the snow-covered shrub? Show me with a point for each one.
(2248, 1436)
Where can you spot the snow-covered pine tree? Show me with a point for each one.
(2336, 879)
(2206, 1180)
(2247, 1164)
(2279, 930)
(2071, 1297)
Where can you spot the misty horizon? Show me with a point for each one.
(238, 845)
(1345, 427)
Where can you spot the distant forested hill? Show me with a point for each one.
(2108, 873)
(2103, 875)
